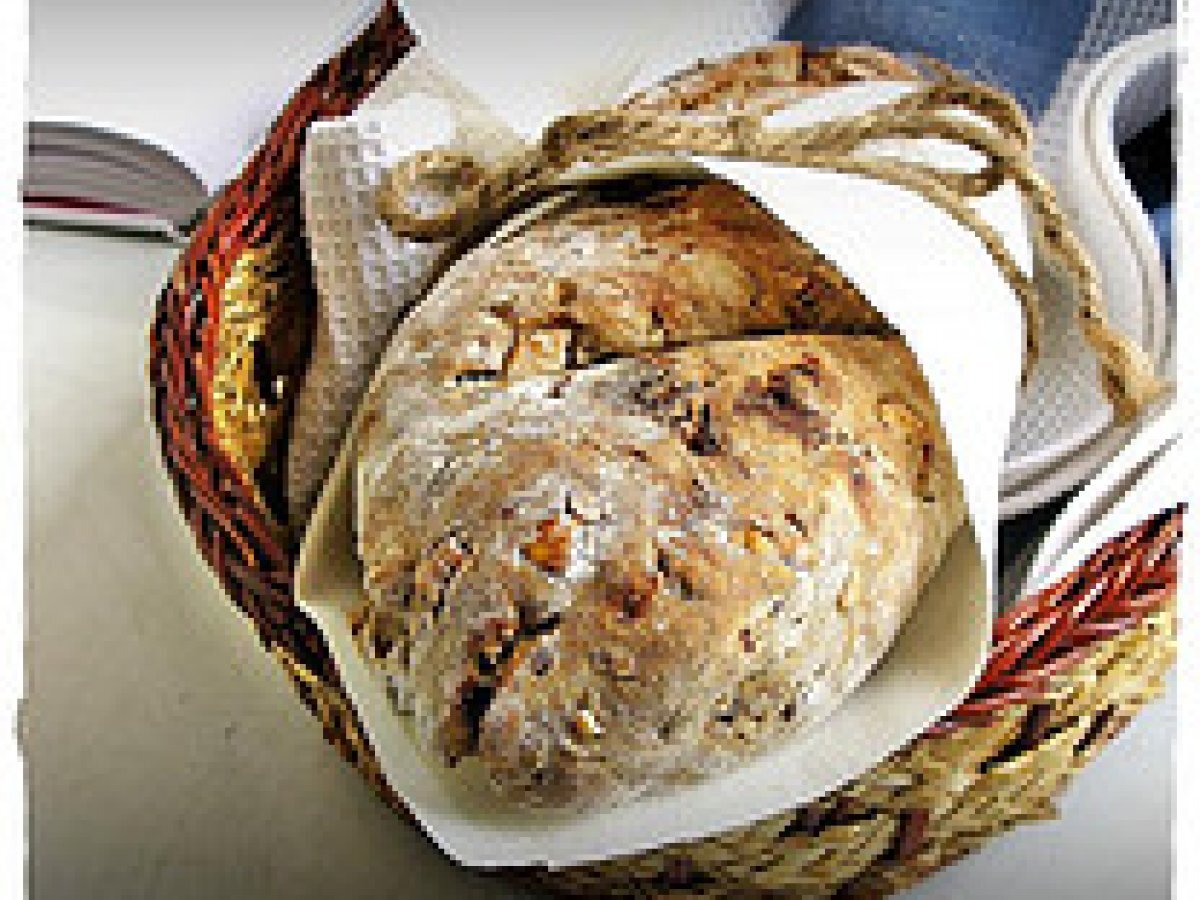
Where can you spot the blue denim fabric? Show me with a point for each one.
(1020, 45)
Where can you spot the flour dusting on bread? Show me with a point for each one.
(642, 487)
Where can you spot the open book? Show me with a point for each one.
(140, 113)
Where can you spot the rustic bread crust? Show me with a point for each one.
(643, 485)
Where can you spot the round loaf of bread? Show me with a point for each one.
(643, 485)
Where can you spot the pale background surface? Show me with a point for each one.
(191, 75)
(168, 757)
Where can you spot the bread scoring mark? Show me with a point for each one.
(724, 269)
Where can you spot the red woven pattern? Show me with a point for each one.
(239, 535)
(1047, 633)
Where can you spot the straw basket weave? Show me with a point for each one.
(1068, 667)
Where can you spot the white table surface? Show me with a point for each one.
(168, 756)
(191, 76)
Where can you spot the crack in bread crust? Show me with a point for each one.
(659, 268)
(699, 479)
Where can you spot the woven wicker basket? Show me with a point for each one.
(1068, 668)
